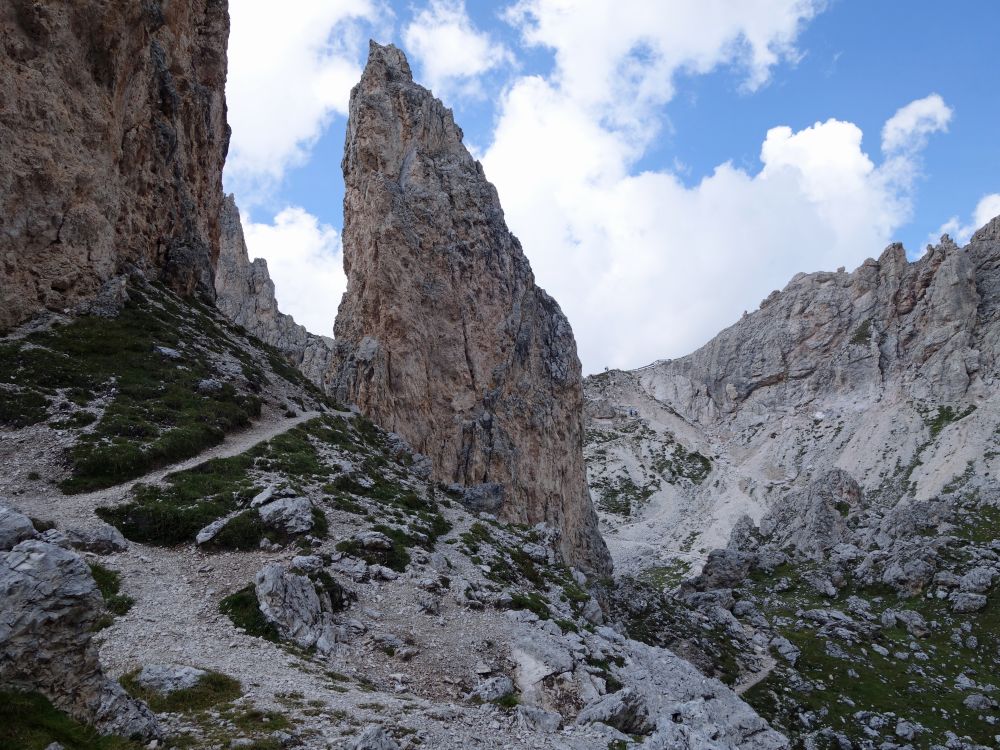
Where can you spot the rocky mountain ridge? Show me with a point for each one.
(826, 467)
(245, 294)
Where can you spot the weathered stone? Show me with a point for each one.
(300, 609)
(101, 540)
(964, 602)
(245, 294)
(492, 689)
(373, 737)
(169, 678)
(484, 376)
(624, 710)
(114, 131)
(293, 515)
(14, 528)
(50, 608)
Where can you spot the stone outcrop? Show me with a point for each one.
(50, 609)
(888, 373)
(113, 120)
(245, 294)
(914, 327)
(442, 335)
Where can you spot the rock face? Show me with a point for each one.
(888, 373)
(442, 335)
(113, 120)
(245, 294)
(50, 608)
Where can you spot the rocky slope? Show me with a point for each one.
(245, 294)
(113, 120)
(304, 582)
(840, 444)
(442, 335)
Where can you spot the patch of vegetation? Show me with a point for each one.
(944, 416)
(835, 677)
(109, 584)
(862, 334)
(532, 602)
(28, 721)
(211, 689)
(192, 499)
(621, 495)
(243, 608)
(665, 577)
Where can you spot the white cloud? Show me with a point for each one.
(290, 70)
(305, 260)
(907, 130)
(451, 51)
(986, 209)
(646, 267)
(620, 57)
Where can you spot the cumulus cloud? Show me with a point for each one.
(451, 51)
(645, 266)
(908, 129)
(289, 72)
(986, 209)
(305, 260)
(622, 56)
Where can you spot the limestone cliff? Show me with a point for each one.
(442, 335)
(245, 294)
(888, 372)
(113, 124)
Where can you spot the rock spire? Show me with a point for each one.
(442, 335)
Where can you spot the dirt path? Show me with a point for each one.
(757, 677)
(77, 511)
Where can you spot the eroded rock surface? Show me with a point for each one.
(245, 293)
(50, 609)
(442, 335)
(113, 120)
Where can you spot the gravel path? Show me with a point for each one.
(77, 511)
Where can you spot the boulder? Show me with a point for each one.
(292, 515)
(101, 540)
(301, 609)
(51, 606)
(169, 678)
(373, 737)
(14, 527)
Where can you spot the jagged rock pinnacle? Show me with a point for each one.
(442, 334)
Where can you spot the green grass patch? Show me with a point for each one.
(211, 690)
(109, 584)
(243, 608)
(28, 721)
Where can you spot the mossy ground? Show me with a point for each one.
(144, 405)
(28, 721)
(243, 608)
(852, 676)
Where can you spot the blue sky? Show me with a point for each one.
(634, 144)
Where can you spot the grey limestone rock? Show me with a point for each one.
(14, 528)
(373, 737)
(301, 609)
(169, 678)
(492, 689)
(102, 540)
(50, 607)
(245, 294)
(293, 515)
